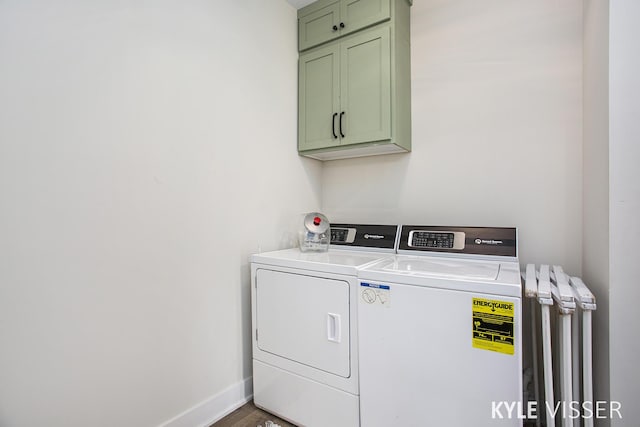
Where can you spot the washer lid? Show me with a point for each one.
(441, 267)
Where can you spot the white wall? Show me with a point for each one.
(146, 149)
(595, 236)
(624, 206)
(497, 129)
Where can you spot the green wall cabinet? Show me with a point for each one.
(345, 92)
(354, 92)
(327, 20)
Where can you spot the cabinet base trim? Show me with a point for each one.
(357, 151)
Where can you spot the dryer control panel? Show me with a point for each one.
(364, 235)
(343, 234)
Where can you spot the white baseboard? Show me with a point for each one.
(214, 408)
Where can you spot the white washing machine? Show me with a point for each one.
(439, 330)
(304, 311)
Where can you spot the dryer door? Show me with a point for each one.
(304, 319)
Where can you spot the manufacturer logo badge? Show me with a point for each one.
(373, 236)
(488, 242)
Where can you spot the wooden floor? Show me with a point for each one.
(250, 416)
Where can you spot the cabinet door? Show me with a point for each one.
(317, 27)
(366, 87)
(357, 14)
(318, 103)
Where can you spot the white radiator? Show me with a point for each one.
(561, 339)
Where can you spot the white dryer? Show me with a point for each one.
(439, 329)
(304, 311)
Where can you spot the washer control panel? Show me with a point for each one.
(436, 239)
(493, 241)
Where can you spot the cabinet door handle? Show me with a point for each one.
(342, 25)
(341, 134)
(333, 125)
(335, 28)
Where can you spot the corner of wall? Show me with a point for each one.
(214, 408)
(595, 205)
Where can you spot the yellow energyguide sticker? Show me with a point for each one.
(493, 325)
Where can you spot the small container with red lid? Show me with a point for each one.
(314, 237)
